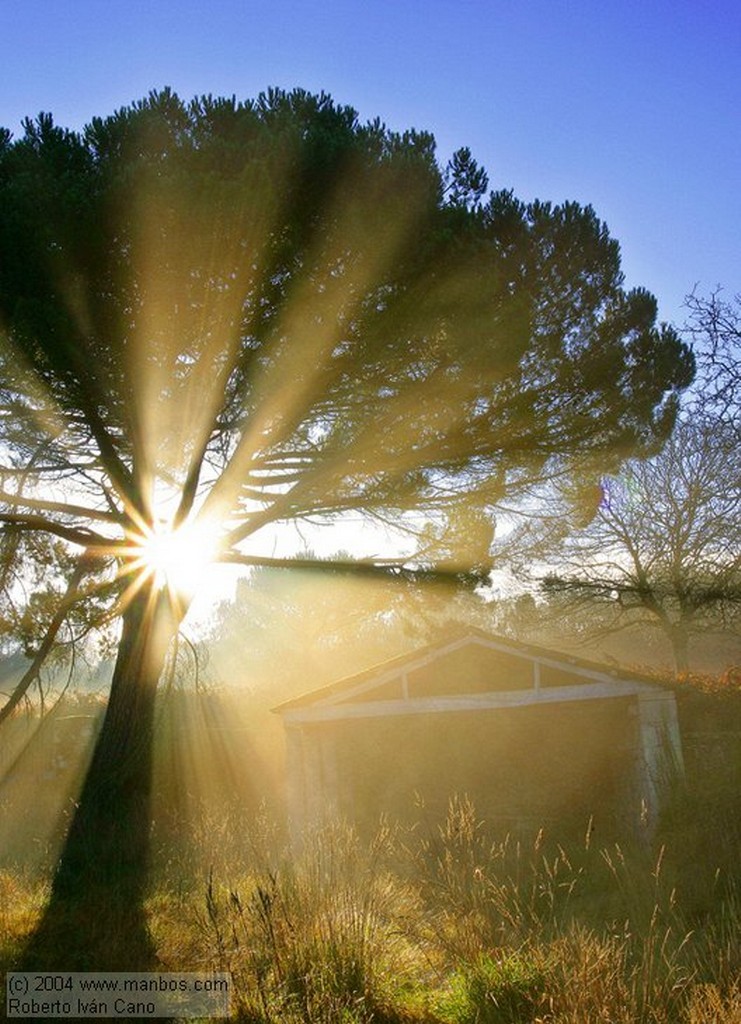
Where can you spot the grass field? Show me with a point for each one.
(444, 926)
(452, 922)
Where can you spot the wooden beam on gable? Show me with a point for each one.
(474, 702)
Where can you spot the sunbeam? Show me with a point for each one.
(177, 557)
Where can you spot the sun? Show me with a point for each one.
(177, 558)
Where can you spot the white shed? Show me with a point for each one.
(533, 736)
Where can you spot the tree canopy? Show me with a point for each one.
(267, 310)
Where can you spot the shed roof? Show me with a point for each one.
(457, 639)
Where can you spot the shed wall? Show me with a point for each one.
(522, 766)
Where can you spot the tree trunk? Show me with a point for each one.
(95, 920)
(680, 649)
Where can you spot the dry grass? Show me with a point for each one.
(453, 926)
(457, 928)
(21, 901)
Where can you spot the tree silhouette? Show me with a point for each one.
(218, 316)
(714, 326)
(665, 545)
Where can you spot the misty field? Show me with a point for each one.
(447, 922)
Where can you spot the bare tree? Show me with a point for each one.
(664, 543)
(714, 327)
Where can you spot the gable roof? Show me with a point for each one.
(453, 640)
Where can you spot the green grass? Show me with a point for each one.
(504, 989)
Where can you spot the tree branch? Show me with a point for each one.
(70, 597)
(75, 535)
(58, 506)
(388, 569)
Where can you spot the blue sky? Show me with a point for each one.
(631, 106)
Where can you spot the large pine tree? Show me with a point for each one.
(218, 316)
